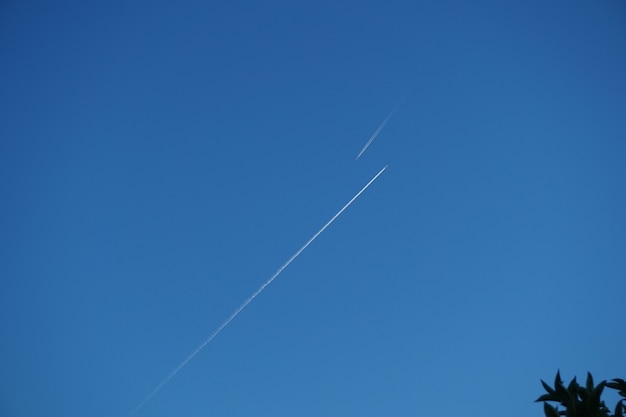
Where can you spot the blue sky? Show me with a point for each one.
(160, 160)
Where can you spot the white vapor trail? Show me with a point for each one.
(253, 296)
(376, 132)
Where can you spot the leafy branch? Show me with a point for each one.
(581, 401)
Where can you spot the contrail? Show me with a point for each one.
(252, 297)
(376, 133)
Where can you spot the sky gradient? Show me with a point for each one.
(159, 161)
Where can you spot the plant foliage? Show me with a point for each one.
(581, 401)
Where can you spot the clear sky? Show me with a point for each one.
(160, 160)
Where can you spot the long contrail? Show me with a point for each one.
(252, 297)
(376, 132)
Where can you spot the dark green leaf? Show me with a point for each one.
(589, 382)
(546, 397)
(573, 387)
(583, 394)
(560, 389)
(547, 387)
(619, 409)
(618, 384)
(557, 379)
(550, 411)
(597, 392)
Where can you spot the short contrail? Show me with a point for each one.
(253, 296)
(376, 132)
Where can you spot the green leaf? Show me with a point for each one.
(618, 384)
(546, 397)
(573, 387)
(589, 382)
(596, 393)
(583, 394)
(548, 388)
(561, 393)
(619, 409)
(557, 379)
(550, 411)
